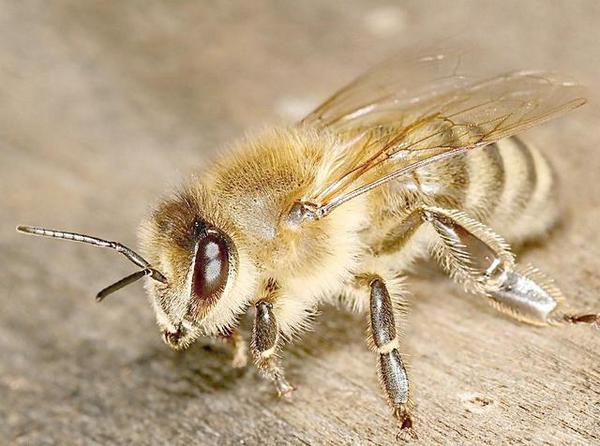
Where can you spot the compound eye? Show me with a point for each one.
(211, 267)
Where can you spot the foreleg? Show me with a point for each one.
(265, 339)
(237, 342)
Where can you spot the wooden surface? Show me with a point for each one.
(105, 105)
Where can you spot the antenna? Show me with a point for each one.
(133, 256)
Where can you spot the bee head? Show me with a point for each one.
(209, 279)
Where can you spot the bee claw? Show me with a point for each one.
(406, 431)
(406, 435)
(284, 389)
(593, 319)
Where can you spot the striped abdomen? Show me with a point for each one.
(507, 185)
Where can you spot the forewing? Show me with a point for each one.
(409, 76)
(457, 115)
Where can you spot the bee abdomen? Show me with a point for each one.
(508, 185)
(512, 188)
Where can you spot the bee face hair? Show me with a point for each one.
(195, 245)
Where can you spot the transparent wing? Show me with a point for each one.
(392, 134)
(409, 76)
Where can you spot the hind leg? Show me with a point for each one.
(481, 260)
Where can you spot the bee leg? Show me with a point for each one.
(240, 350)
(390, 366)
(264, 347)
(576, 318)
(481, 260)
(529, 296)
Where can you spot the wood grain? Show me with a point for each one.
(106, 105)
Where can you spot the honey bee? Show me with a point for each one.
(411, 160)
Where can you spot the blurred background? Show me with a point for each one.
(104, 106)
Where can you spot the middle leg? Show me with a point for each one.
(384, 339)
